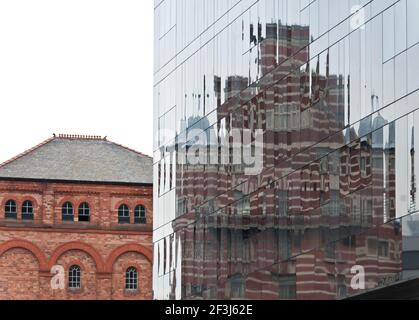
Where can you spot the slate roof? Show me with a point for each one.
(80, 158)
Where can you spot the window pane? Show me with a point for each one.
(123, 214)
(388, 31)
(74, 275)
(10, 210)
(400, 26)
(412, 72)
(84, 212)
(388, 82)
(67, 212)
(400, 76)
(140, 215)
(412, 22)
(131, 279)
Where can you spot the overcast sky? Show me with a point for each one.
(75, 66)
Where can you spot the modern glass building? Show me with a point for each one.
(285, 153)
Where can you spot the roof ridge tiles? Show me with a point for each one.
(79, 137)
(90, 137)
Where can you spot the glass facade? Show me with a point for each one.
(323, 96)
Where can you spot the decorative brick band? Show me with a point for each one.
(77, 245)
(102, 268)
(132, 247)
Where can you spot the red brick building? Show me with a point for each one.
(80, 206)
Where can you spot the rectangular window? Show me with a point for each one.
(344, 166)
(287, 286)
(372, 247)
(238, 287)
(341, 286)
(282, 203)
(329, 250)
(383, 249)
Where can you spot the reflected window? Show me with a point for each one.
(363, 165)
(344, 164)
(383, 248)
(237, 287)
(330, 250)
(287, 286)
(282, 203)
(242, 203)
(334, 208)
(372, 247)
(341, 286)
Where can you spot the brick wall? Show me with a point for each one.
(102, 248)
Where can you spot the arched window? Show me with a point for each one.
(123, 214)
(140, 215)
(10, 209)
(131, 279)
(74, 275)
(67, 212)
(27, 210)
(84, 212)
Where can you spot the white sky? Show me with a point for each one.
(75, 66)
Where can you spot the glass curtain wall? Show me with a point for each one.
(323, 97)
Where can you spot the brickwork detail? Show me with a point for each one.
(102, 248)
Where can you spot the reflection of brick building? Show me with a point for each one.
(295, 230)
(338, 106)
(83, 203)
